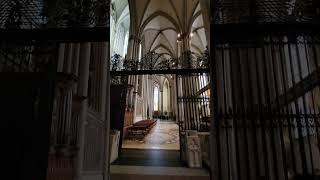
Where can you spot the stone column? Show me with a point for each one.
(64, 103)
(130, 52)
(76, 55)
(107, 111)
(161, 102)
(75, 64)
(68, 58)
(85, 50)
(61, 57)
(135, 78)
(104, 72)
(146, 97)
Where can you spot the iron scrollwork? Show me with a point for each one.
(266, 11)
(36, 14)
(154, 61)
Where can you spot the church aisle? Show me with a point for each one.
(165, 136)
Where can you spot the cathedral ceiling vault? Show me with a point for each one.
(158, 22)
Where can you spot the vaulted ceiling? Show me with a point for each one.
(158, 22)
(122, 15)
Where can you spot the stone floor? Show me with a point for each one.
(165, 135)
(149, 157)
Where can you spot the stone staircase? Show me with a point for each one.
(121, 172)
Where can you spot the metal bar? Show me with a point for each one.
(304, 106)
(243, 112)
(202, 101)
(225, 110)
(205, 102)
(282, 59)
(316, 63)
(194, 107)
(96, 34)
(274, 118)
(215, 137)
(289, 111)
(208, 101)
(186, 109)
(198, 101)
(301, 139)
(258, 90)
(190, 94)
(253, 122)
(178, 116)
(232, 113)
(244, 32)
(267, 101)
(166, 71)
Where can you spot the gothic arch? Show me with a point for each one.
(158, 14)
(164, 47)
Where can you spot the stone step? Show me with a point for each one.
(119, 172)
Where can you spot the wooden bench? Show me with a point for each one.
(141, 128)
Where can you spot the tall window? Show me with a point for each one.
(156, 98)
(125, 47)
(140, 50)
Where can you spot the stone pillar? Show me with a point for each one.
(75, 64)
(146, 97)
(61, 57)
(130, 52)
(76, 55)
(135, 78)
(104, 72)
(68, 58)
(85, 50)
(161, 102)
(63, 119)
(107, 111)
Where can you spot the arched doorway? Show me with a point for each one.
(161, 70)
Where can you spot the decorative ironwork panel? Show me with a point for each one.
(193, 98)
(153, 61)
(22, 14)
(33, 56)
(266, 11)
(37, 14)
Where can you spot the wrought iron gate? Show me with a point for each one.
(191, 79)
(27, 74)
(266, 90)
(33, 38)
(193, 96)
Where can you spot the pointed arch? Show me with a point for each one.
(196, 48)
(165, 37)
(194, 16)
(164, 47)
(160, 14)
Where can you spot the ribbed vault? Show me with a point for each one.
(158, 23)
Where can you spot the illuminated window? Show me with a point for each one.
(140, 50)
(156, 99)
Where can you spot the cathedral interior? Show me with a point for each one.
(160, 89)
(160, 101)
